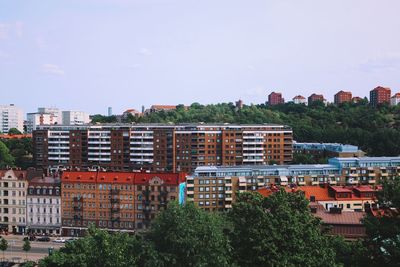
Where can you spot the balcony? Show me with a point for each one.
(371, 181)
(114, 191)
(115, 200)
(315, 183)
(115, 209)
(77, 208)
(301, 183)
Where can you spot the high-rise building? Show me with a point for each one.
(117, 200)
(110, 111)
(275, 99)
(11, 117)
(75, 118)
(299, 99)
(161, 147)
(239, 104)
(315, 97)
(342, 97)
(395, 100)
(44, 116)
(380, 95)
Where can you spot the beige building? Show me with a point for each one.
(13, 188)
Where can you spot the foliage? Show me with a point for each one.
(21, 150)
(6, 159)
(384, 231)
(375, 130)
(103, 119)
(14, 131)
(188, 236)
(102, 249)
(26, 246)
(278, 231)
(3, 245)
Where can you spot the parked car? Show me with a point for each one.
(59, 240)
(72, 239)
(30, 238)
(43, 238)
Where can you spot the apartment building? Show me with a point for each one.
(44, 206)
(275, 99)
(342, 97)
(13, 188)
(11, 117)
(379, 95)
(161, 147)
(70, 117)
(395, 99)
(299, 99)
(315, 97)
(116, 200)
(216, 187)
(321, 151)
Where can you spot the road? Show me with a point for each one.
(38, 250)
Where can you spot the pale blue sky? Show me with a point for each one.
(88, 55)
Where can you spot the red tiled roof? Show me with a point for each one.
(396, 95)
(299, 97)
(364, 188)
(122, 177)
(341, 189)
(21, 175)
(346, 217)
(320, 193)
(15, 136)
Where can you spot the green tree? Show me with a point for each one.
(3, 245)
(102, 249)
(5, 157)
(278, 231)
(384, 230)
(26, 247)
(188, 236)
(14, 131)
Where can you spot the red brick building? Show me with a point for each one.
(116, 200)
(275, 99)
(314, 97)
(380, 95)
(342, 97)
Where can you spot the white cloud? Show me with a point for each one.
(19, 29)
(52, 69)
(145, 52)
(3, 31)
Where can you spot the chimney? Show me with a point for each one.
(312, 198)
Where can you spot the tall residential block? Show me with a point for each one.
(11, 117)
(342, 97)
(161, 147)
(75, 118)
(275, 99)
(315, 97)
(44, 116)
(379, 95)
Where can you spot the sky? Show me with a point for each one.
(92, 54)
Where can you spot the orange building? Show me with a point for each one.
(116, 200)
(342, 97)
(380, 95)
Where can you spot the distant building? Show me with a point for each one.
(275, 99)
(156, 108)
(395, 100)
(109, 111)
(299, 99)
(356, 99)
(314, 97)
(44, 116)
(44, 205)
(75, 118)
(133, 112)
(11, 117)
(327, 150)
(380, 95)
(239, 104)
(342, 97)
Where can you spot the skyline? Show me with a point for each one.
(67, 54)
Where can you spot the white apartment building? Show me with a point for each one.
(13, 187)
(44, 206)
(38, 118)
(395, 100)
(11, 117)
(75, 118)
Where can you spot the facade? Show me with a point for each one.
(13, 188)
(11, 117)
(356, 99)
(160, 147)
(36, 119)
(75, 118)
(395, 100)
(379, 95)
(275, 99)
(239, 104)
(342, 97)
(44, 206)
(314, 97)
(133, 112)
(215, 188)
(299, 99)
(327, 150)
(116, 200)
